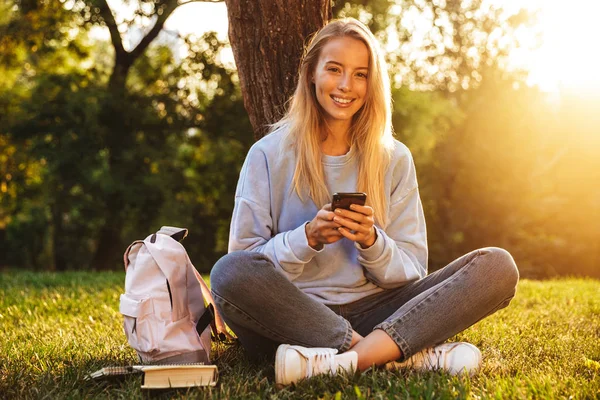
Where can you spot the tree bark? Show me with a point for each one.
(59, 250)
(267, 38)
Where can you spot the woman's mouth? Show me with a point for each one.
(341, 102)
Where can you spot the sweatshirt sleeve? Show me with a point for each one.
(252, 223)
(399, 254)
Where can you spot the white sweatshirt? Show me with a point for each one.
(270, 218)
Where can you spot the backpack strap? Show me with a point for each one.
(206, 319)
(126, 254)
(219, 328)
(176, 233)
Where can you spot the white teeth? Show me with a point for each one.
(343, 101)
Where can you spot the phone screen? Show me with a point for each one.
(345, 199)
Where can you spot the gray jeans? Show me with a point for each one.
(264, 309)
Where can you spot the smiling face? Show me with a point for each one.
(340, 80)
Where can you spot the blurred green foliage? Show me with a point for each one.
(76, 156)
(499, 163)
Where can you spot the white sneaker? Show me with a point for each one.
(294, 363)
(454, 358)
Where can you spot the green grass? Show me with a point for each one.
(56, 328)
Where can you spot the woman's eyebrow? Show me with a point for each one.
(341, 65)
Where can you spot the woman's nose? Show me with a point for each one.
(345, 83)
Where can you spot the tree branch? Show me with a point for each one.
(170, 6)
(115, 36)
(110, 22)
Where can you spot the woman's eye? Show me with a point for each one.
(333, 69)
(362, 75)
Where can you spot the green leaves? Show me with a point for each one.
(77, 155)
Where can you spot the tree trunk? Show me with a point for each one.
(110, 246)
(118, 138)
(267, 38)
(119, 134)
(59, 250)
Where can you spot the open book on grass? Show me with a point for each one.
(165, 376)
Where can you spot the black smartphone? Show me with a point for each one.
(345, 199)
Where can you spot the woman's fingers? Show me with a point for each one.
(330, 224)
(365, 210)
(347, 234)
(358, 213)
(327, 228)
(325, 215)
(354, 220)
(355, 224)
(351, 225)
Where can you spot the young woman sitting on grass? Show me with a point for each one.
(347, 289)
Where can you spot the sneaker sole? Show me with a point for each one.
(280, 364)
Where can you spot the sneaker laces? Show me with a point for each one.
(320, 363)
(431, 358)
(441, 358)
(435, 357)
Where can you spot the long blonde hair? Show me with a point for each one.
(370, 134)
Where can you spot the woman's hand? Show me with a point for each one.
(322, 230)
(356, 224)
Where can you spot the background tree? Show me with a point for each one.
(115, 116)
(104, 140)
(268, 38)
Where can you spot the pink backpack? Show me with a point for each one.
(167, 308)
